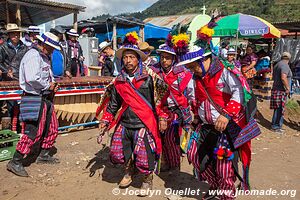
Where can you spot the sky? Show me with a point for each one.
(98, 7)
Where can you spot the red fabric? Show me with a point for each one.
(140, 107)
(178, 94)
(25, 144)
(232, 108)
(108, 117)
(170, 78)
(102, 106)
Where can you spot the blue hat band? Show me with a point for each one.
(167, 48)
(191, 55)
(49, 40)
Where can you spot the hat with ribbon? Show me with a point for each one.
(103, 45)
(202, 46)
(49, 39)
(130, 43)
(231, 51)
(73, 32)
(33, 29)
(13, 28)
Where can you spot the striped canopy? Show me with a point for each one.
(246, 26)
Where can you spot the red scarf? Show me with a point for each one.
(139, 107)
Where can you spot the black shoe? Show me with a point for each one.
(46, 158)
(15, 165)
(210, 194)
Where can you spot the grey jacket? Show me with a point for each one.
(10, 57)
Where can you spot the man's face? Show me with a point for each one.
(130, 59)
(195, 68)
(108, 51)
(60, 36)
(166, 60)
(14, 37)
(72, 38)
(33, 35)
(49, 49)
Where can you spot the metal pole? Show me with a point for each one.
(236, 42)
(77, 125)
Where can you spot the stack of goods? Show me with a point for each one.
(262, 85)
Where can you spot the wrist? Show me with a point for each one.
(227, 116)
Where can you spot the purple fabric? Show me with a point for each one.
(166, 48)
(251, 26)
(191, 55)
(246, 61)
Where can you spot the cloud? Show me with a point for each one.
(98, 7)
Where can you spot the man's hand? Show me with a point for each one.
(221, 123)
(10, 73)
(102, 129)
(68, 74)
(0, 73)
(163, 125)
(53, 86)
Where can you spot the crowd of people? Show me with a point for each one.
(186, 91)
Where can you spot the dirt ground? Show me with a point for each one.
(85, 173)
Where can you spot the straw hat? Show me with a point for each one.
(33, 29)
(286, 55)
(49, 39)
(13, 28)
(135, 48)
(166, 48)
(73, 32)
(231, 51)
(144, 46)
(194, 54)
(103, 45)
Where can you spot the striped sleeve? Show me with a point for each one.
(33, 72)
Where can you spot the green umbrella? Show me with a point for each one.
(245, 26)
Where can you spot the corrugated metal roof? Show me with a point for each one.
(36, 11)
(170, 21)
(292, 26)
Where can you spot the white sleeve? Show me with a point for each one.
(190, 91)
(234, 85)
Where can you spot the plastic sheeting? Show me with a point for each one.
(151, 31)
(289, 45)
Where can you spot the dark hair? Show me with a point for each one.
(252, 46)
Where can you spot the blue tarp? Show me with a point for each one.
(151, 32)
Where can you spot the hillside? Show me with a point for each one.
(271, 10)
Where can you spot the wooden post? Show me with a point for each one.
(18, 15)
(7, 13)
(75, 24)
(115, 36)
(142, 33)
